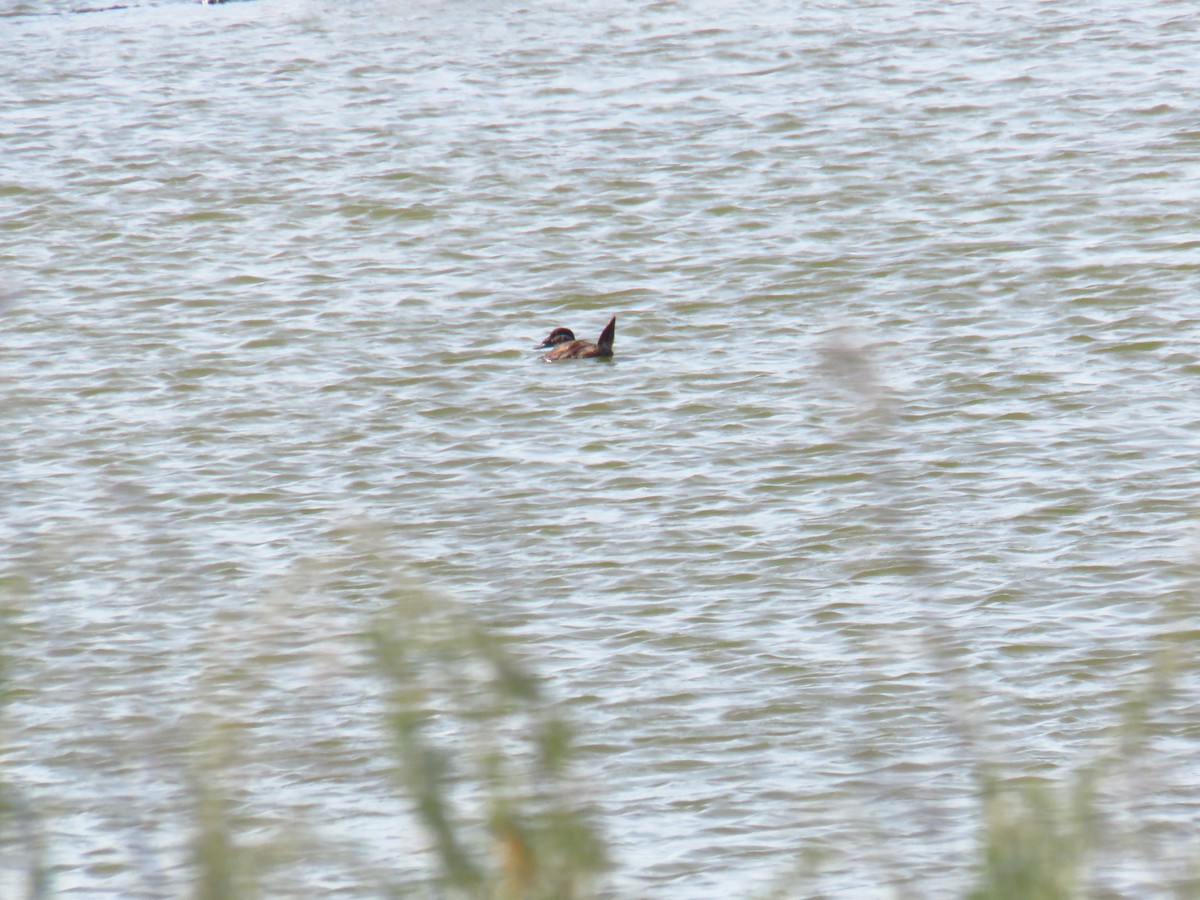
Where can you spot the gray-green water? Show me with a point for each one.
(903, 410)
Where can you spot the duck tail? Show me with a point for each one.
(605, 344)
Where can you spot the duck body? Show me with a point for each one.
(566, 347)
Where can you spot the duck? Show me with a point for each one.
(564, 345)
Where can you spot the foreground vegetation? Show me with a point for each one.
(485, 766)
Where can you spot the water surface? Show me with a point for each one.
(894, 467)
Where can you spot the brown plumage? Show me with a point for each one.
(572, 349)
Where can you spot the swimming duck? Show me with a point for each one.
(566, 347)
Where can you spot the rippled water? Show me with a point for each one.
(901, 427)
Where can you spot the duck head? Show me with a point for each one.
(558, 336)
